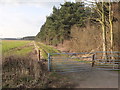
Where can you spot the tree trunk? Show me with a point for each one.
(111, 28)
(104, 33)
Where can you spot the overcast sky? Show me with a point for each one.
(19, 18)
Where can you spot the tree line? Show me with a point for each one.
(57, 27)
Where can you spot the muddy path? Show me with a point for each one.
(94, 79)
(88, 76)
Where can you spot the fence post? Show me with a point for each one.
(39, 54)
(93, 60)
(49, 67)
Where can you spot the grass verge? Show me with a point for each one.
(45, 49)
(24, 72)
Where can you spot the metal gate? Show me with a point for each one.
(111, 62)
(84, 61)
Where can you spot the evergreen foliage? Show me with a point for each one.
(57, 26)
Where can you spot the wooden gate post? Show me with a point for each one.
(93, 60)
(39, 55)
(49, 67)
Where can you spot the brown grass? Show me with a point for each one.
(24, 72)
(21, 71)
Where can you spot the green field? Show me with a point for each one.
(16, 47)
(21, 47)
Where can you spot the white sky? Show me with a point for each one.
(19, 18)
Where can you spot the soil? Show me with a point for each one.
(88, 77)
(94, 79)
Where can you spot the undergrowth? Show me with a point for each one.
(24, 72)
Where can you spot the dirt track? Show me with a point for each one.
(89, 77)
(94, 79)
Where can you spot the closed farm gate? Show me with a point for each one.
(84, 61)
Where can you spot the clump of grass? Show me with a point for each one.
(22, 71)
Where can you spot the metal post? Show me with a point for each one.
(93, 60)
(49, 62)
